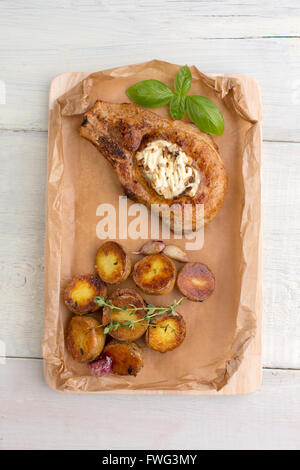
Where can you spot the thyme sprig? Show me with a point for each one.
(152, 312)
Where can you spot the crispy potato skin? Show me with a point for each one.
(155, 274)
(121, 298)
(127, 357)
(84, 341)
(160, 340)
(196, 281)
(113, 264)
(80, 292)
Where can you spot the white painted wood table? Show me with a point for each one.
(40, 39)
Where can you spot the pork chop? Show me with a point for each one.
(120, 131)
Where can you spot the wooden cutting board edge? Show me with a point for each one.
(248, 377)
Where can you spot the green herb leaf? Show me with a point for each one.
(183, 81)
(160, 314)
(150, 93)
(152, 312)
(177, 106)
(205, 114)
(99, 300)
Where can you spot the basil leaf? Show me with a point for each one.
(150, 93)
(205, 114)
(177, 106)
(183, 80)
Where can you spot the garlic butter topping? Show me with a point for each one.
(168, 169)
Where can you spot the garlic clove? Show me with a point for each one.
(151, 247)
(176, 253)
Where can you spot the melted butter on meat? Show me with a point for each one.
(168, 169)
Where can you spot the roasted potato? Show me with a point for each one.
(125, 298)
(85, 338)
(80, 292)
(113, 264)
(167, 334)
(127, 357)
(196, 281)
(155, 274)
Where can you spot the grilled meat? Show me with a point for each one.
(119, 131)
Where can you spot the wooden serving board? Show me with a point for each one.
(248, 377)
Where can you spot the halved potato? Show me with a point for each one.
(155, 274)
(125, 298)
(196, 281)
(80, 292)
(167, 334)
(113, 264)
(127, 357)
(85, 338)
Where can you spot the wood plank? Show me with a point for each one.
(255, 38)
(22, 215)
(229, 18)
(35, 417)
(22, 228)
(281, 254)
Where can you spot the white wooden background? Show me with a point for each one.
(40, 39)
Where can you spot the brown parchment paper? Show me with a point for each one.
(79, 179)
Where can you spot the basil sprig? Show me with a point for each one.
(205, 114)
(177, 106)
(183, 81)
(201, 110)
(150, 93)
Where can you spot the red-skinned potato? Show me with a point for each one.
(196, 281)
(80, 292)
(167, 334)
(113, 264)
(126, 298)
(85, 338)
(155, 274)
(127, 357)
